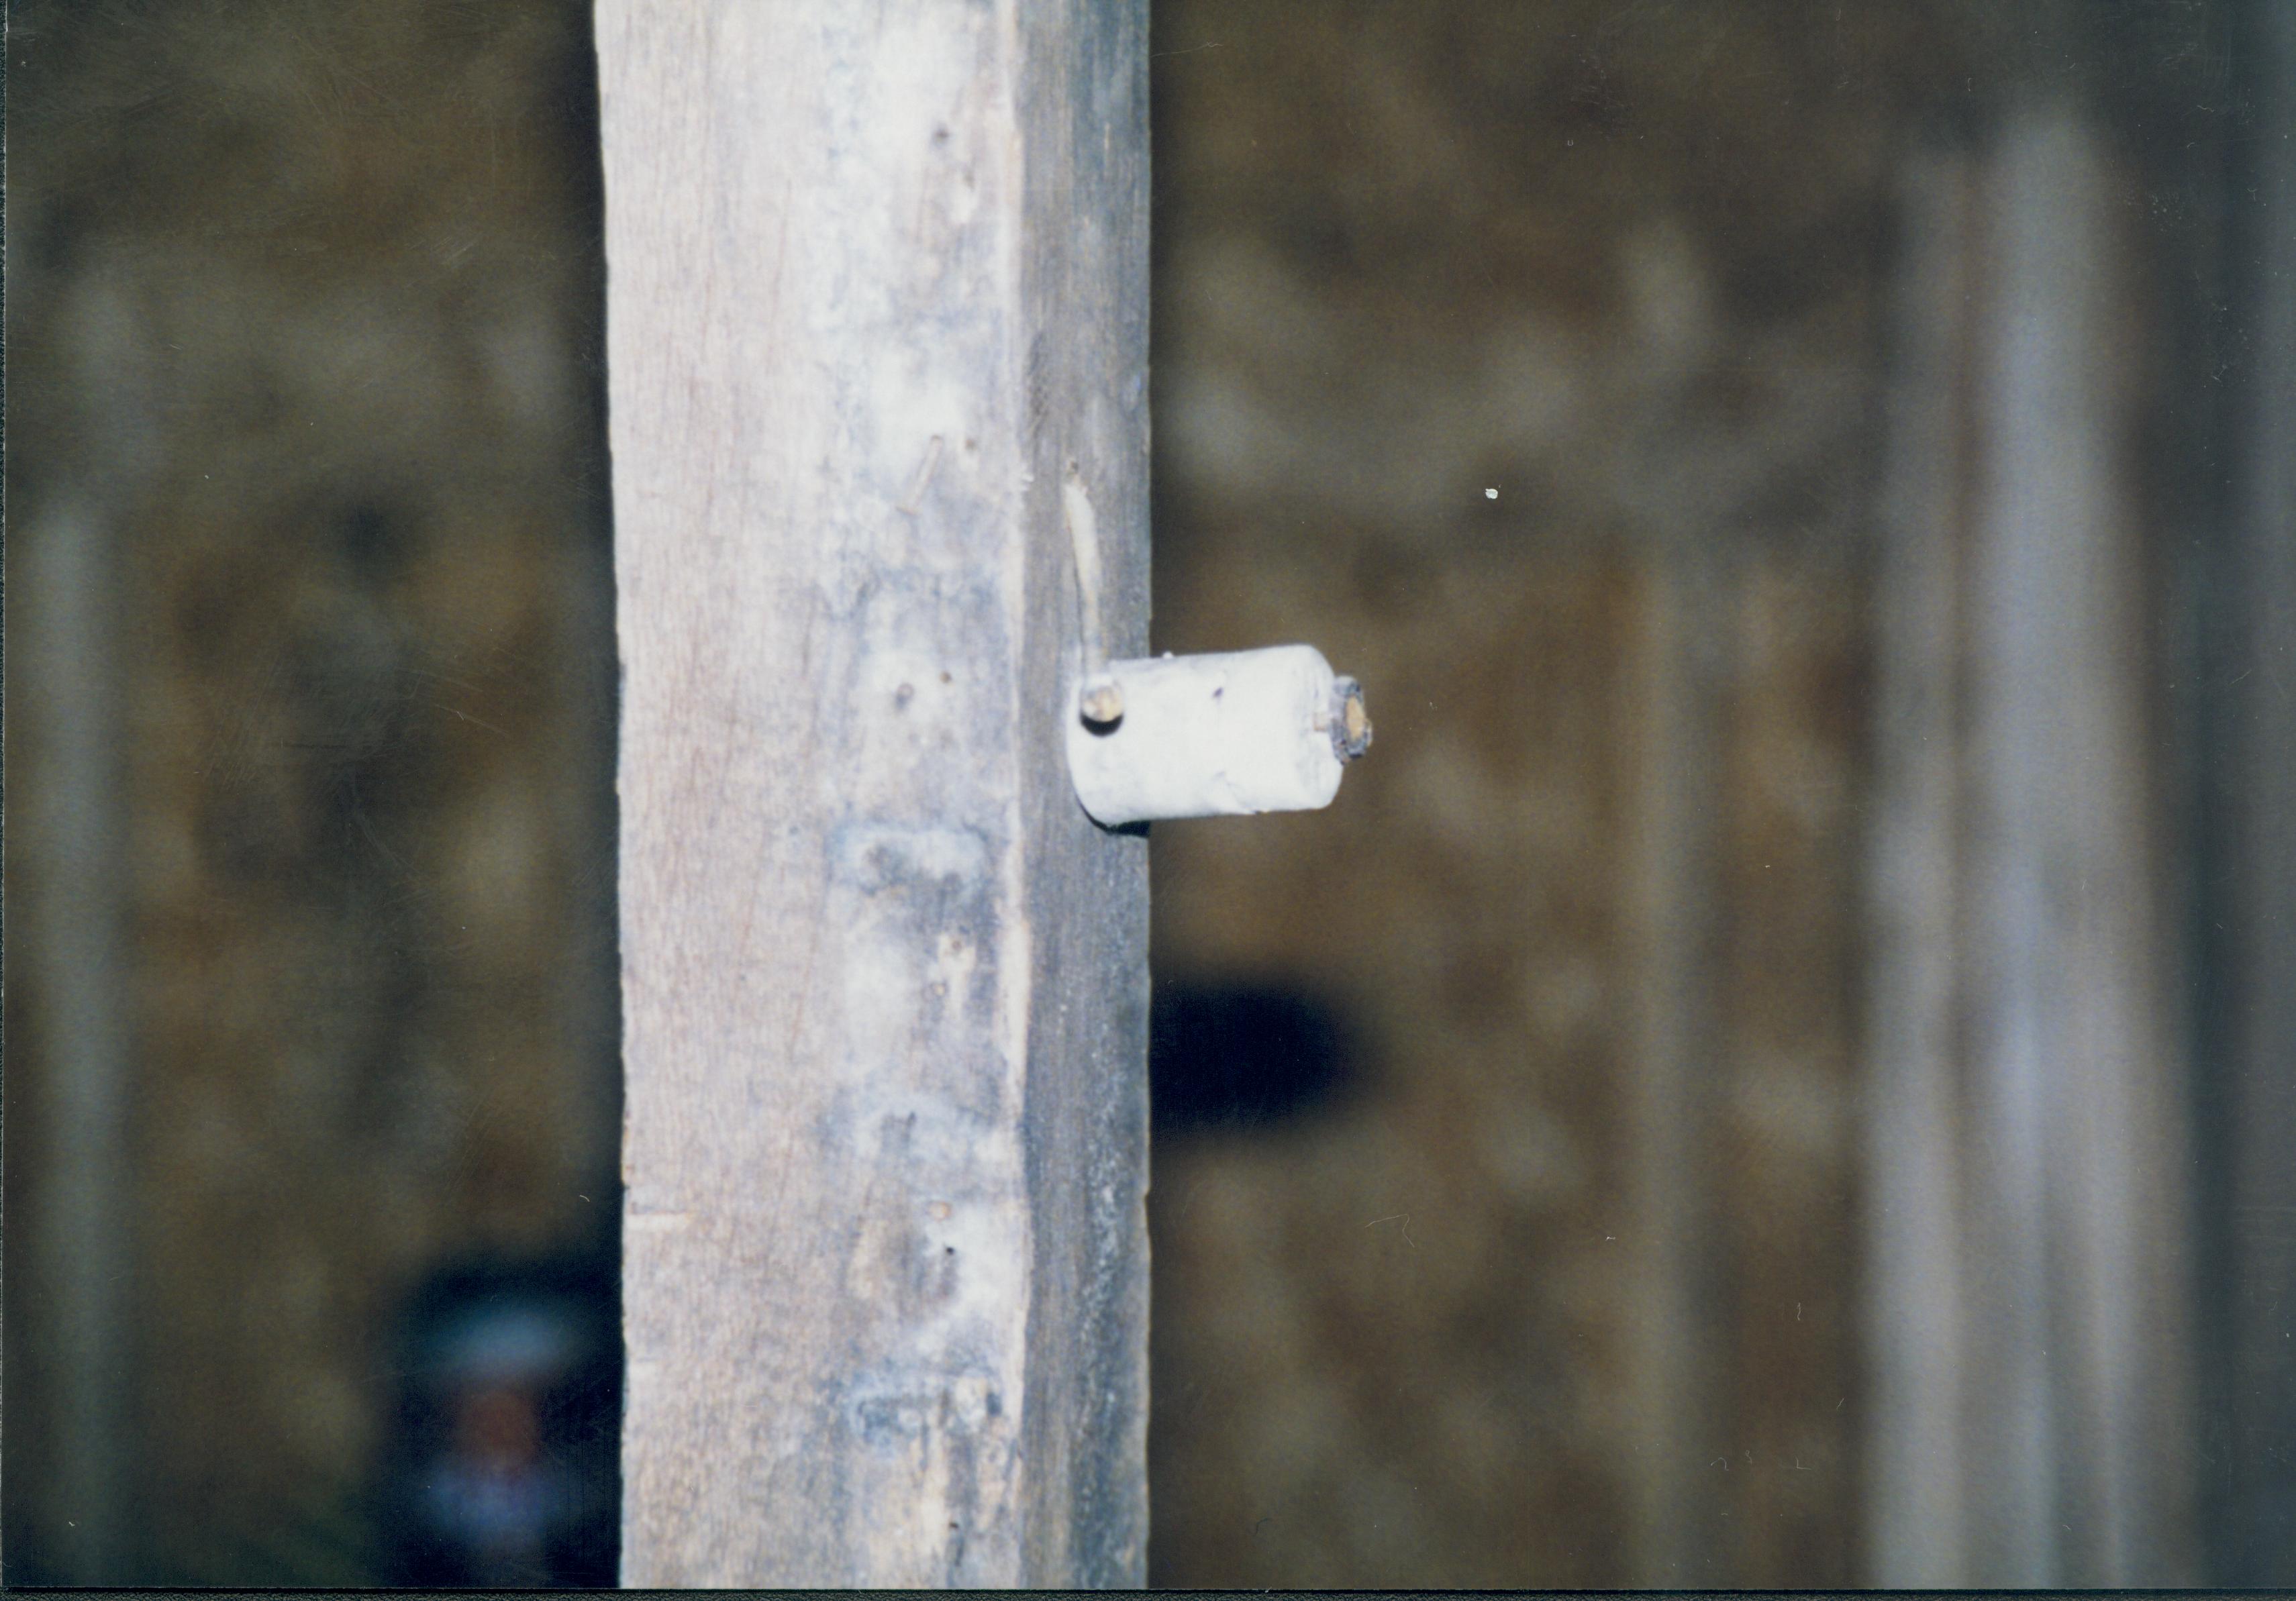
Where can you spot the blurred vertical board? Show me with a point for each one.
(2077, 1073)
(1916, 1512)
(1739, 1085)
(2030, 1205)
(70, 906)
(1783, 1240)
(875, 274)
(2252, 897)
(1676, 684)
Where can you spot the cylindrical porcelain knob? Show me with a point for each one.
(1214, 736)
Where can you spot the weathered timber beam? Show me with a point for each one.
(876, 273)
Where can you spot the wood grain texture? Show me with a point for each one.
(875, 274)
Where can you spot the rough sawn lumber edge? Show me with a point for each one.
(874, 275)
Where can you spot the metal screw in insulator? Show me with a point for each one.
(1101, 702)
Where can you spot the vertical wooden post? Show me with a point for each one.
(2028, 1187)
(875, 274)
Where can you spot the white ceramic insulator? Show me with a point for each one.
(1212, 736)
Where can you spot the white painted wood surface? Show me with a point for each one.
(875, 274)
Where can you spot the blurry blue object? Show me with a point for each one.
(503, 1470)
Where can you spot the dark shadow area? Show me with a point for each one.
(1242, 1055)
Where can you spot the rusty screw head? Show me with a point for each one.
(1350, 722)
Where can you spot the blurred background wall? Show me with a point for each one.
(1803, 487)
(309, 885)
